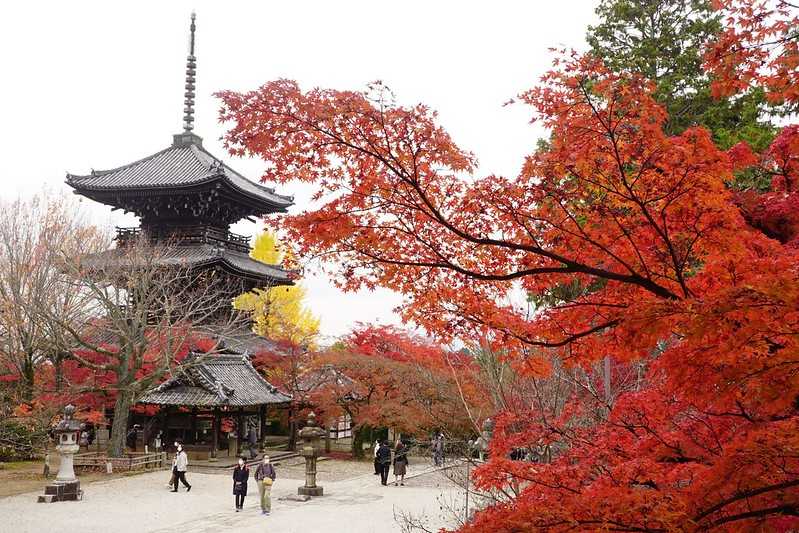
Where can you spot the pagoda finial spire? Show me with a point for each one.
(191, 71)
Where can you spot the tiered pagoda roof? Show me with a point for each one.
(183, 180)
(251, 272)
(187, 198)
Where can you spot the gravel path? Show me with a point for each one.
(143, 504)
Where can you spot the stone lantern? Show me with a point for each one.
(311, 435)
(66, 486)
(485, 438)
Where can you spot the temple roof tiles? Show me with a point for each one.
(216, 381)
(182, 165)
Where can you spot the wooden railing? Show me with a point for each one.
(187, 234)
(130, 461)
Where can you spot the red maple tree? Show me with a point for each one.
(758, 47)
(384, 377)
(664, 265)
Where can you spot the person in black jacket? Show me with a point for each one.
(384, 461)
(240, 476)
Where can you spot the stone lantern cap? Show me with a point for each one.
(68, 424)
(311, 430)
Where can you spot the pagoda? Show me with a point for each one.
(187, 198)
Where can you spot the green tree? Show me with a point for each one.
(665, 40)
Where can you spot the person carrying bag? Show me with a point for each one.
(265, 476)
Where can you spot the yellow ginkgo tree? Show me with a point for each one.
(278, 312)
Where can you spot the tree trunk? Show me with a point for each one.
(58, 364)
(357, 442)
(292, 445)
(119, 428)
(28, 373)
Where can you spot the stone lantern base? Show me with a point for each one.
(62, 492)
(309, 491)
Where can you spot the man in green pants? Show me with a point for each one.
(265, 476)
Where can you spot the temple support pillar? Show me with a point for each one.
(241, 434)
(193, 425)
(215, 434)
(262, 420)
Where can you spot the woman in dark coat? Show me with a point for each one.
(400, 463)
(240, 476)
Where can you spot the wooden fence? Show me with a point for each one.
(129, 462)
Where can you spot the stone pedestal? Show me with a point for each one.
(485, 438)
(66, 470)
(310, 488)
(310, 491)
(311, 435)
(66, 486)
(62, 492)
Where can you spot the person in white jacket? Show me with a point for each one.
(179, 467)
(374, 453)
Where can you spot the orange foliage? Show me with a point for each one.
(668, 267)
(758, 47)
(384, 377)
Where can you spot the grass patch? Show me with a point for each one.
(22, 465)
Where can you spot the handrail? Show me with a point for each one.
(188, 234)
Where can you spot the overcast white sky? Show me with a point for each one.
(99, 84)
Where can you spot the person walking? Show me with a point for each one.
(265, 476)
(400, 462)
(173, 478)
(132, 436)
(384, 460)
(179, 467)
(83, 441)
(374, 453)
(438, 450)
(92, 434)
(240, 476)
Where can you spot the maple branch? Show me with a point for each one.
(557, 344)
(741, 496)
(786, 509)
(466, 272)
(411, 178)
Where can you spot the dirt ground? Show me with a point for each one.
(326, 469)
(22, 477)
(353, 501)
(26, 476)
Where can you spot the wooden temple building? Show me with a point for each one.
(187, 197)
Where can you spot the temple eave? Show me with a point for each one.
(224, 380)
(203, 256)
(125, 197)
